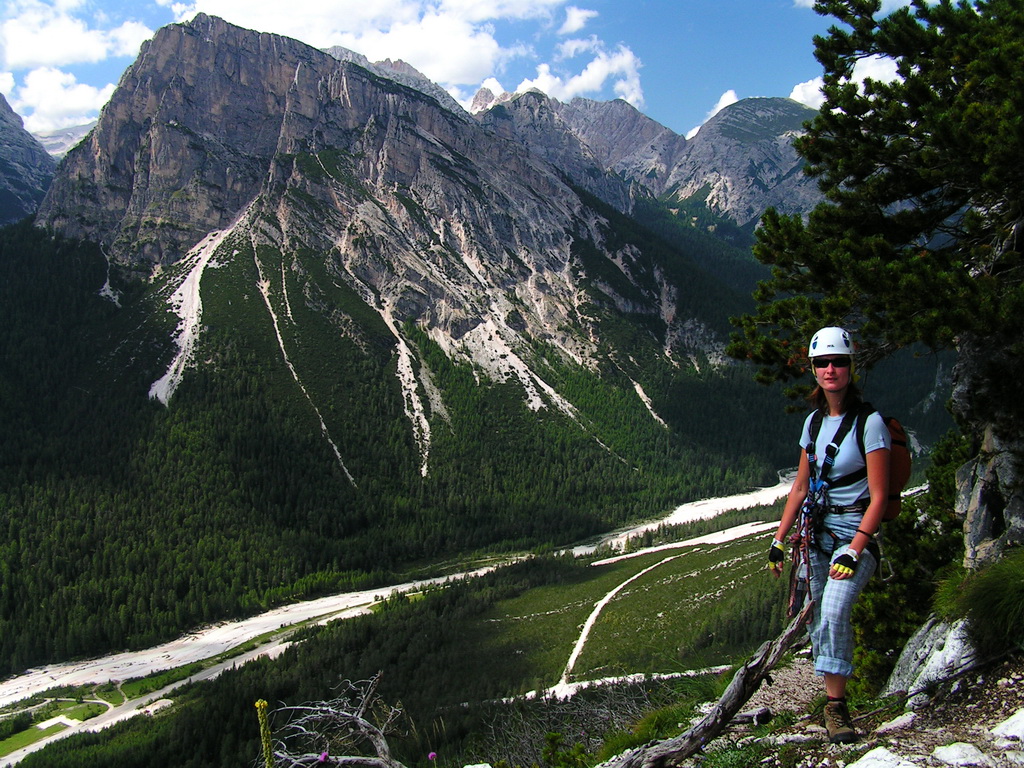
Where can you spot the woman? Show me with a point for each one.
(841, 556)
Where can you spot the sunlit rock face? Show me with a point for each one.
(430, 216)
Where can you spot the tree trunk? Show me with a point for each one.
(987, 401)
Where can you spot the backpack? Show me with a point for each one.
(899, 457)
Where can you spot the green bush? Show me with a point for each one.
(992, 601)
(918, 547)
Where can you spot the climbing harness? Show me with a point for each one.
(813, 509)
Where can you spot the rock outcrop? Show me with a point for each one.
(160, 170)
(401, 72)
(990, 500)
(990, 487)
(936, 652)
(538, 122)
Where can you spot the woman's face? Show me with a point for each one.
(832, 372)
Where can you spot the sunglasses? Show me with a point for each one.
(825, 362)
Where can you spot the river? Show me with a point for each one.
(216, 639)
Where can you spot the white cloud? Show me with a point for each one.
(570, 49)
(314, 22)
(6, 83)
(126, 39)
(457, 43)
(492, 84)
(453, 42)
(322, 23)
(489, 10)
(888, 6)
(35, 34)
(876, 68)
(575, 20)
(621, 67)
(727, 98)
(56, 99)
(39, 38)
(445, 48)
(809, 93)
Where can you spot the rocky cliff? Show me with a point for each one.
(161, 169)
(539, 123)
(427, 215)
(740, 163)
(626, 141)
(25, 168)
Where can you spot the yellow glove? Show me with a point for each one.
(845, 564)
(776, 555)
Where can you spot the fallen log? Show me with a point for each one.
(745, 682)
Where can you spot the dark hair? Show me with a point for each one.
(851, 399)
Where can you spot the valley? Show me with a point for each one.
(208, 652)
(306, 373)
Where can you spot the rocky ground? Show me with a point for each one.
(953, 727)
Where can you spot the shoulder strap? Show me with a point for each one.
(814, 428)
(833, 447)
(865, 410)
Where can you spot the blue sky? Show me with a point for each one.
(675, 60)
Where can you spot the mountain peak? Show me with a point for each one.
(742, 161)
(401, 72)
(485, 99)
(755, 119)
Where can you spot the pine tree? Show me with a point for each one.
(917, 237)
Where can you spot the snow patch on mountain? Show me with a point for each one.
(414, 408)
(187, 303)
(647, 402)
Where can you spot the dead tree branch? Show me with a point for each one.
(746, 681)
(338, 732)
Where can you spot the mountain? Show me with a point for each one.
(740, 163)
(627, 141)
(58, 142)
(289, 323)
(587, 137)
(25, 168)
(400, 72)
(216, 129)
(537, 122)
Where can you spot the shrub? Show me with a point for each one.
(917, 548)
(992, 601)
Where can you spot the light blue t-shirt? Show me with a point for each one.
(848, 458)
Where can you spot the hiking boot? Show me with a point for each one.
(837, 723)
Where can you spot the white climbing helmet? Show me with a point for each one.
(830, 341)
